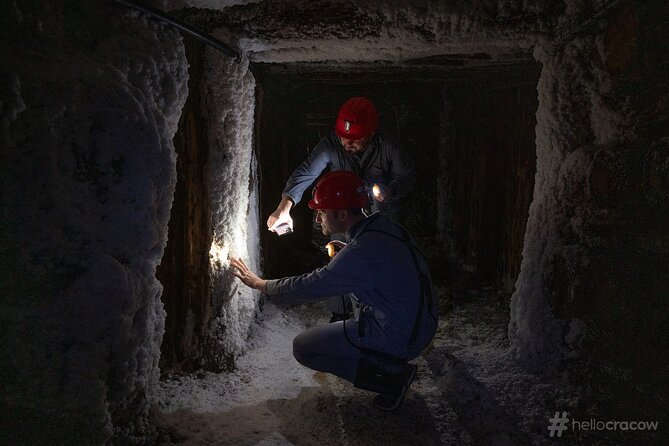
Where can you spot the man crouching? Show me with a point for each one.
(396, 313)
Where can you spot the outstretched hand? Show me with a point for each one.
(248, 277)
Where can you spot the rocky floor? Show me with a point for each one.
(468, 392)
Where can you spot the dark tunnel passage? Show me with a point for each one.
(138, 167)
(475, 158)
(470, 133)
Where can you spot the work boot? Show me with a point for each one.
(386, 375)
(387, 401)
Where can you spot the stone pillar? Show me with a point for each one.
(593, 283)
(233, 195)
(90, 98)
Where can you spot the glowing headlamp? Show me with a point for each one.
(376, 190)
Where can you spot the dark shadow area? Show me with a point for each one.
(184, 268)
(411, 424)
(486, 421)
(488, 164)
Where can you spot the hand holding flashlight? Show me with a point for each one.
(280, 220)
(280, 223)
(381, 193)
(334, 247)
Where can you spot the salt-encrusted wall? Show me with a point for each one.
(90, 97)
(234, 203)
(215, 216)
(594, 278)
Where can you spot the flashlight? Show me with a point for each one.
(283, 229)
(332, 249)
(376, 190)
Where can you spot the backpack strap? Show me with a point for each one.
(425, 288)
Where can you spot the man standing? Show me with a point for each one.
(396, 315)
(358, 146)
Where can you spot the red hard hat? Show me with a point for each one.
(357, 118)
(340, 189)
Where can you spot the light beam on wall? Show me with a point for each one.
(232, 245)
(218, 255)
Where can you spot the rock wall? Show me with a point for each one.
(233, 198)
(89, 102)
(593, 283)
(209, 313)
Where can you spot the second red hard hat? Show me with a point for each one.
(357, 118)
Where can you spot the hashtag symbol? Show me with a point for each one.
(558, 423)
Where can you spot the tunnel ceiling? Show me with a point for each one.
(427, 33)
(520, 70)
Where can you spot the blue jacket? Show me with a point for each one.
(384, 162)
(378, 269)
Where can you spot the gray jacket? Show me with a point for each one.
(380, 272)
(384, 162)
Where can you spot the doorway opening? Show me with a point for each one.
(469, 131)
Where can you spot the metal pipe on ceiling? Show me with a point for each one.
(183, 26)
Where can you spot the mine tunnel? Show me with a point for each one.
(145, 145)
